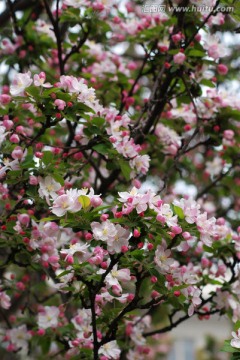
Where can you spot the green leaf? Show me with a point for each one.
(33, 91)
(235, 356)
(227, 347)
(82, 108)
(58, 178)
(208, 249)
(70, 15)
(179, 212)
(63, 273)
(98, 121)
(138, 254)
(102, 148)
(28, 162)
(196, 53)
(84, 201)
(23, 257)
(125, 168)
(49, 218)
(47, 157)
(45, 344)
(237, 325)
(208, 83)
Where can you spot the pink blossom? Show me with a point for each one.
(48, 188)
(115, 243)
(235, 342)
(170, 140)
(104, 231)
(39, 80)
(48, 317)
(5, 300)
(17, 153)
(163, 260)
(20, 82)
(195, 293)
(61, 104)
(115, 276)
(79, 249)
(110, 350)
(19, 338)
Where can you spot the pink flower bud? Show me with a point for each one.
(160, 218)
(20, 286)
(154, 294)
(228, 134)
(136, 183)
(129, 329)
(33, 180)
(154, 279)
(53, 259)
(78, 155)
(42, 75)
(176, 229)
(130, 297)
(136, 233)
(112, 139)
(96, 201)
(222, 69)
(14, 138)
(70, 259)
(186, 235)
(104, 217)
(98, 6)
(88, 236)
(116, 290)
(10, 348)
(118, 214)
(39, 154)
(205, 262)
(5, 99)
(61, 104)
(132, 66)
(220, 221)
(150, 246)
(187, 127)
(20, 129)
(198, 37)
(104, 265)
(179, 58)
(8, 124)
(176, 37)
(99, 335)
(124, 249)
(24, 219)
(177, 293)
(41, 332)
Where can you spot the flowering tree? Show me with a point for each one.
(105, 109)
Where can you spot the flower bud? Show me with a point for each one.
(14, 138)
(179, 58)
(222, 69)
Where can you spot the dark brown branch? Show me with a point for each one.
(212, 184)
(57, 34)
(19, 5)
